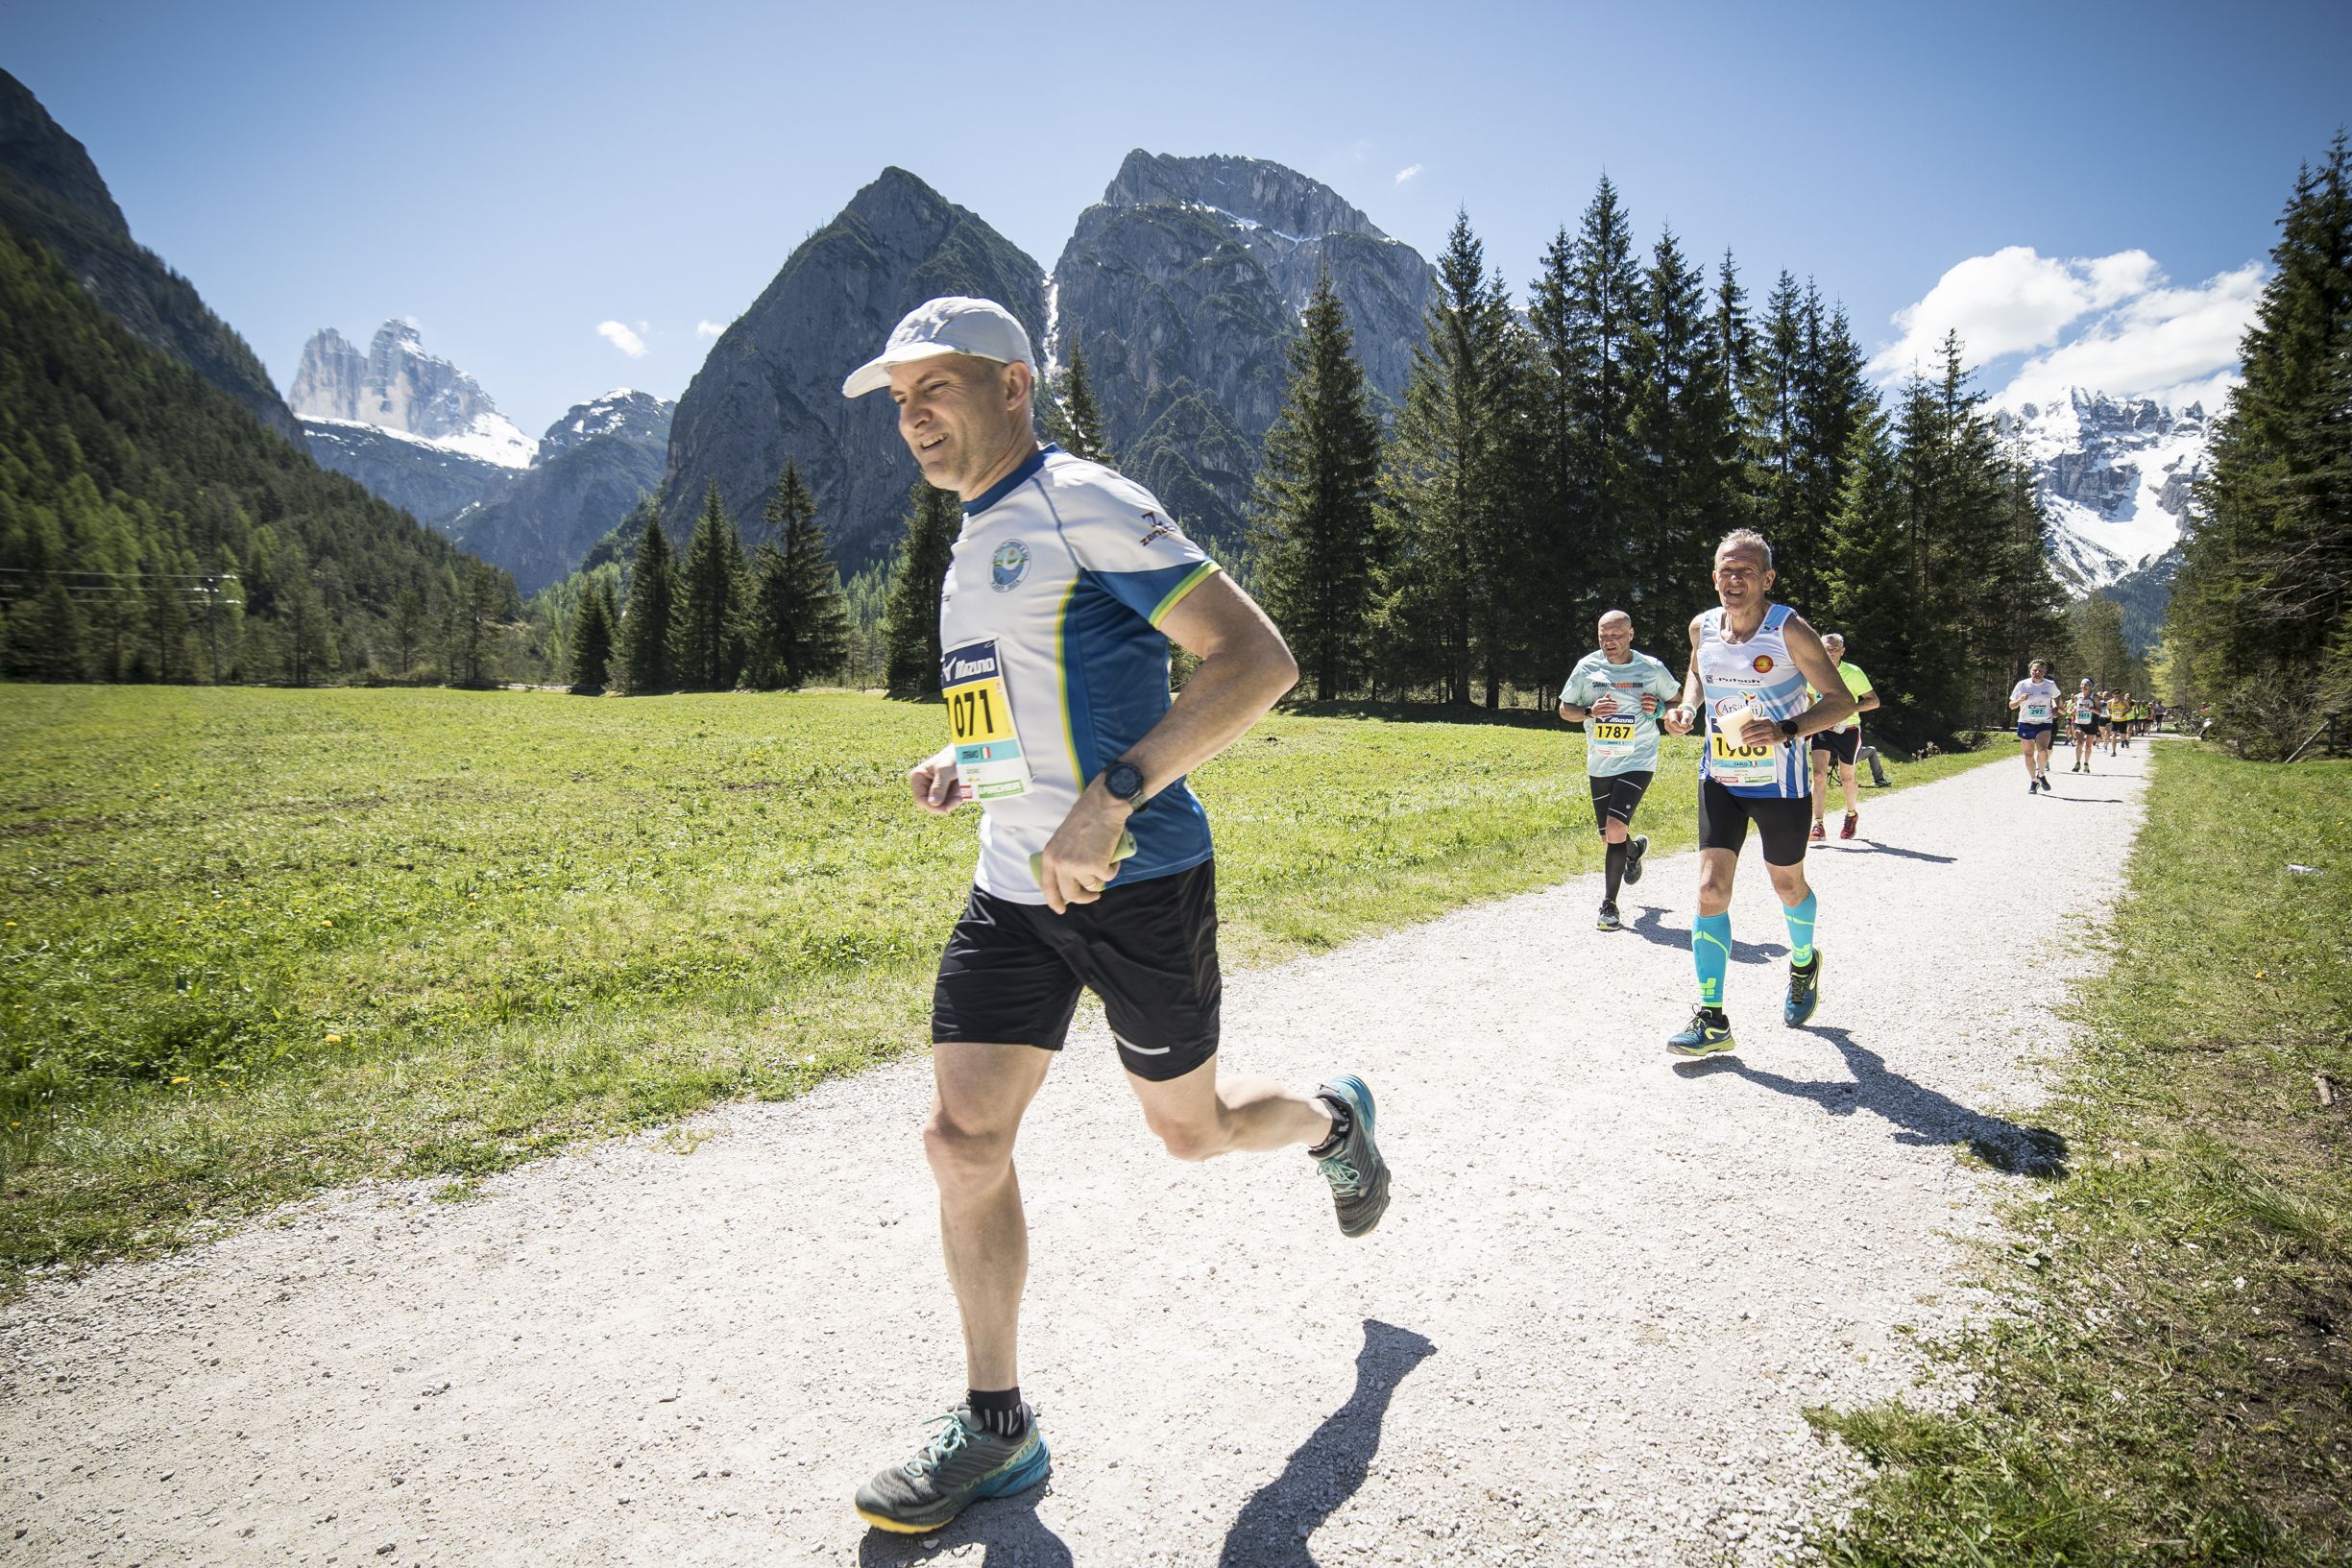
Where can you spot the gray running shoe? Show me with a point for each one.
(1358, 1175)
(959, 1465)
(1635, 849)
(1608, 920)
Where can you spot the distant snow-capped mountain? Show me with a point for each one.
(2114, 475)
(397, 386)
(421, 433)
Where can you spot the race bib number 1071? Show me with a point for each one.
(989, 764)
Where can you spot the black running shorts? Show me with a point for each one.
(1012, 971)
(1842, 745)
(1781, 821)
(1616, 795)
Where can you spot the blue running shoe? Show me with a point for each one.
(1803, 992)
(959, 1465)
(1702, 1038)
(1358, 1175)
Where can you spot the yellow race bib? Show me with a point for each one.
(989, 764)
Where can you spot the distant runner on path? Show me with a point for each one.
(2118, 722)
(1616, 692)
(2035, 702)
(1751, 663)
(1842, 744)
(2086, 726)
(1066, 586)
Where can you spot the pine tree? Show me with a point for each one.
(2261, 617)
(408, 623)
(473, 637)
(1314, 517)
(1675, 478)
(1832, 397)
(709, 637)
(911, 620)
(1604, 310)
(591, 643)
(647, 665)
(1772, 437)
(1865, 579)
(802, 623)
(1081, 430)
(48, 635)
(1445, 488)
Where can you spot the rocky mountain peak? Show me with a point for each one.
(397, 386)
(2115, 475)
(40, 152)
(1249, 189)
(623, 412)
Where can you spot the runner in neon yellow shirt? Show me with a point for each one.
(1842, 744)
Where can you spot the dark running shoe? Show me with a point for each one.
(1358, 1175)
(1608, 920)
(1636, 848)
(1803, 992)
(959, 1465)
(1702, 1038)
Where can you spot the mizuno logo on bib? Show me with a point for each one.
(989, 764)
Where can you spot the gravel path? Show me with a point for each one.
(1609, 1284)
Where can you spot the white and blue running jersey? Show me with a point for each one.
(1052, 661)
(1732, 675)
(1627, 740)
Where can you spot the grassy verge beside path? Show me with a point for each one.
(2171, 1381)
(259, 943)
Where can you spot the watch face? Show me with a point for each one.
(1123, 779)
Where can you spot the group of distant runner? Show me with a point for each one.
(1067, 585)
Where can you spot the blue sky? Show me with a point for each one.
(513, 176)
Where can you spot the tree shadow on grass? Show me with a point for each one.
(1273, 1527)
(1921, 1116)
(1650, 927)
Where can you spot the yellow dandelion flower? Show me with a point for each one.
(334, 1039)
(180, 1081)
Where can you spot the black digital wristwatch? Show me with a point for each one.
(1125, 781)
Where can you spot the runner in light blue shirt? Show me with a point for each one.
(1615, 693)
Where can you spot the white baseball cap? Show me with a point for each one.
(950, 324)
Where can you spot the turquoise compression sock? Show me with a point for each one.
(1710, 949)
(1801, 928)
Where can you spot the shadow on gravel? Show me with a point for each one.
(1872, 846)
(1325, 1470)
(1924, 1116)
(2070, 800)
(1650, 929)
(1006, 1528)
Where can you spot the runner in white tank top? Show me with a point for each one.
(1751, 662)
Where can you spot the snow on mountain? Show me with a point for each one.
(2114, 475)
(397, 387)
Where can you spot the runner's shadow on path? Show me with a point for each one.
(1873, 847)
(1650, 929)
(1008, 1529)
(2070, 800)
(1272, 1528)
(1923, 1115)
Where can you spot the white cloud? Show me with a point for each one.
(1407, 172)
(2109, 324)
(2177, 346)
(621, 337)
(2011, 302)
(709, 329)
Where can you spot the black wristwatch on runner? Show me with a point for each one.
(1788, 729)
(1125, 781)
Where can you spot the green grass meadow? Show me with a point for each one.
(259, 943)
(2171, 1382)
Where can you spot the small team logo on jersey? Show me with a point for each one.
(1008, 566)
(1161, 527)
(1762, 664)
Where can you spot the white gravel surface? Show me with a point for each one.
(1609, 1284)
